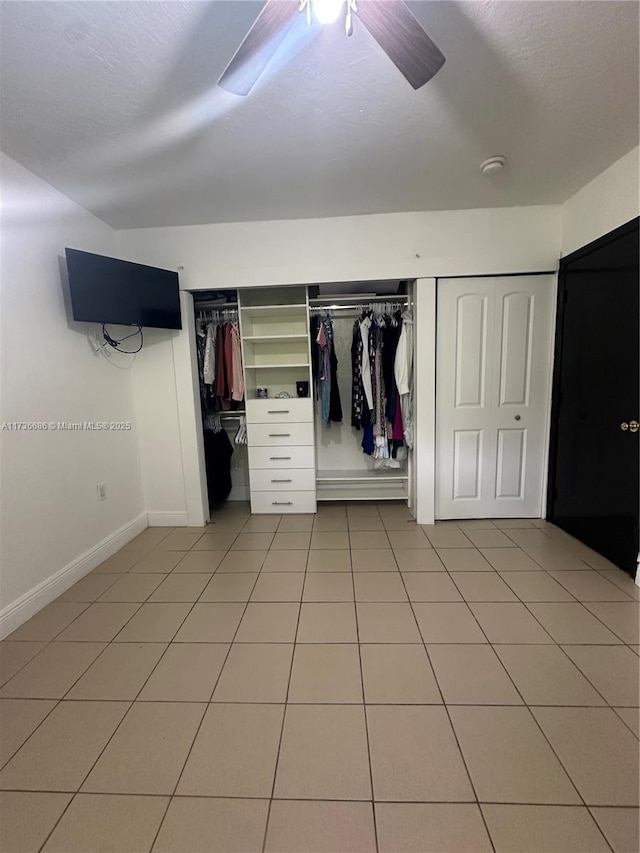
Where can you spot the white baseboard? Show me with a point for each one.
(167, 519)
(23, 608)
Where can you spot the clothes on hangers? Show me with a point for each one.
(219, 361)
(357, 392)
(365, 328)
(237, 378)
(335, 404)
(403, 373)
(376, 403)
(325, 370)
(209, 361)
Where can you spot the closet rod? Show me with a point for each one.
(362, 303)
(215, 306)
(318, 301)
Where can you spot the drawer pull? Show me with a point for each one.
(278, 458)
(282, 481)
(277, 411)
(282, 503)
(279, 435)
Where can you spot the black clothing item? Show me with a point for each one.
(314, 327)
(390, 337)
(218, 451)
(335, 406)
(357, 395)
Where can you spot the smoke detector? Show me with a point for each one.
(492, 165)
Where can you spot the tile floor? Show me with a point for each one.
(342, 683)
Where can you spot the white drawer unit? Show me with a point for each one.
(283, 502)
(292, 410)
(281, 457)
(280, 434)
(283, 479)
(280, 430)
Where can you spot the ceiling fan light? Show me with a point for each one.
(327, 11)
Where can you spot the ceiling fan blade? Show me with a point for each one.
(259, 46)
(402, 38)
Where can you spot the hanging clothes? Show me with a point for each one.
(335, 405)
(403, 373)
(324, 374)
(220, 384)
(221, 389)
(314, 328)
(209, 360)
(365, 328)
(357, 393)
(237, 378)
(325, 369)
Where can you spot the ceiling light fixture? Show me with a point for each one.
(492, 165)
(327, 11)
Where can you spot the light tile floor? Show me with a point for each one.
(343, 683)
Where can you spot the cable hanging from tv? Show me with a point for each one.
(117, 344)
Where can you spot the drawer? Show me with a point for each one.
(283, 502)
(283, 479)
(279, 435)
(292, 410)
(282, 457)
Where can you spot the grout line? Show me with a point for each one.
(451, 726)
(285, 706)
(364, 712)
(199, 726)
(598, 805)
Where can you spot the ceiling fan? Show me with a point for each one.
(389, 22)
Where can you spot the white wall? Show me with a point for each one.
(359, 248)
(608, 201)
(51, 519)
(158, 429)
(352, 248)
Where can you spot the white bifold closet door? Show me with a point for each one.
(492, 395)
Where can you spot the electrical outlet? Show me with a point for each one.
(102, 491)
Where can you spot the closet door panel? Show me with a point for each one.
(276, 458)
(280, 411)
(280, 435)
(283, 479)
(493, 365)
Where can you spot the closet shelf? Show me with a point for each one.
(276, 366)
(392, 474)
(361, 492)
(269, 338)
(276, 310)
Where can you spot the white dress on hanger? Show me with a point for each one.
(403, 372)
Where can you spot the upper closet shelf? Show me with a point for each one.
(276, 365)
(275, 337)
(273, 310)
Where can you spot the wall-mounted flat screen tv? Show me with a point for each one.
(110, 291)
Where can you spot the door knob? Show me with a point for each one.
(634, 426)
(624, 426)
(517, 418)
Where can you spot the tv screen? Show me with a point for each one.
(110, 291)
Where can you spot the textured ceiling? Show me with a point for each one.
(116, 104)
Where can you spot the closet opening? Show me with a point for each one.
(364, 434)
(222, 396)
